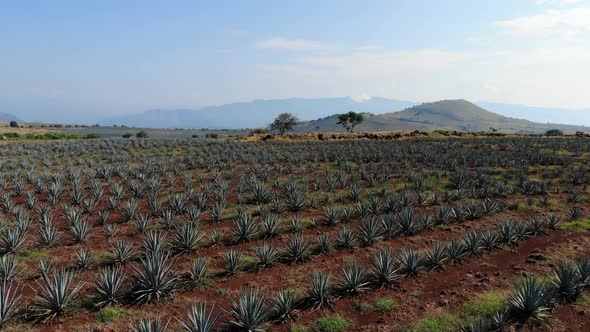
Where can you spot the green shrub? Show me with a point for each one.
(486, 304)
(109, 314)
(127, 135)
(385, 304)
(332, 324)
(443, 322)
(554, 132)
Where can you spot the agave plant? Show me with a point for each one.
(330, 216)
(201, 318)
(55, 295)
(583, 266)
(154, 242)
(187, 238)
(353, 279)
(323, 243)
(575, 213)
(267, 254)
(320, 291)
(384, 271)
(455, 250)
(531, 298)
(83, 259)
(346, 238)
(473, 243)
(244, 228)
(369, 231)
(295, 224)
(490, 240)
(80, 230)
(121, 252)
(111, 230)
(270, 225)
(436, 256)
(407, 221)
(410, 262)
(296, 249)
(477, 325)
(508, 234)
(566, 283)
(232, 261)
(198, 273)
(148, 325)
(142, 223)
(9, 299)
(8, 267)
(249, 312)
(154, 278)
(284, 304)
(49, 235)
(110, 286)
(12, 240)
(552, 221)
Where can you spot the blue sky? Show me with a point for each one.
(108, 57)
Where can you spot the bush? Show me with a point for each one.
(385, 304)
(13, 124)
(109, 314)
(142, 134)
(127, 135)
(332, 324)
(91, 136)
(554, 132)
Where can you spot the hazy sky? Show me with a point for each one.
(127, 55)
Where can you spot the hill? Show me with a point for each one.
(254, 114)
(459, 115)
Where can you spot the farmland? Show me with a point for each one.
(421, 234)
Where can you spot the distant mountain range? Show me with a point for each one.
(459, 115)
(8, 117)
(386, 114)
(254, 114)
(316, 114)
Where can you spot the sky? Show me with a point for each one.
(101, 58)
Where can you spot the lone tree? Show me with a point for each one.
(142, 134)
(284, 122)
(350, 120)
(13, 124)
(554, 132)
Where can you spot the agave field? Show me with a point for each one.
(423, 234)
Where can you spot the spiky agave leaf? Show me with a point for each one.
(370, 231)
(436, 256)
(296, 249)
(154, 278)
(353, 279)
(12, 240)
(410, 262)
(320, 291)
(149, 325)
(531, 298)
(346, 238)
(83, 258)
(267, 254)
(249, 311)
(323, 243)
(9, 299)
(187, 238)
(110, 286)
(566, 283)
(583, 266)
(284, 304)
(55, 295)
(121, 252)
(201, 318)
(244, 228)
(8, 267)
(232, 261)
(384, 271)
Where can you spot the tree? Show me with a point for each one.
(142, 134)
(284, 122)
(350, 120)
(554, 132)
(13, 124)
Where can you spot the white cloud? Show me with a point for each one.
(566, 24)
(386, 62)
(281, 43)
